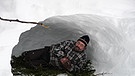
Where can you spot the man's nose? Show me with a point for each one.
(78, 45)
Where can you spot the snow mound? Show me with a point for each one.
(105, 49)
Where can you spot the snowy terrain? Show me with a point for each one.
(110, 24)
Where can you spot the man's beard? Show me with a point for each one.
(77, 49)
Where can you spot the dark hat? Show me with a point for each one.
(85, 39)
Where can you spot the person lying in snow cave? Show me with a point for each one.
(68, 55)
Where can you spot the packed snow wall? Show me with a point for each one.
(106, 49)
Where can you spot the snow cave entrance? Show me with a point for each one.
(38, 37)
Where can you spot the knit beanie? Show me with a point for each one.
(85, 39)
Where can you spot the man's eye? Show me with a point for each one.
(78, 42)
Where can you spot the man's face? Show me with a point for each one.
(79, 46)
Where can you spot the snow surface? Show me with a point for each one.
(110, 24)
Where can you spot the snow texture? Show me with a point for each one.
(110, 23)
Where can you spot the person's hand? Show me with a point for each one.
(66, 62)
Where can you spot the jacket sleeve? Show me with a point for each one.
(79, 64)
(58, 49)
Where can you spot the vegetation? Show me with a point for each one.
(19, 68)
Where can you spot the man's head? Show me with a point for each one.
(82, 43)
